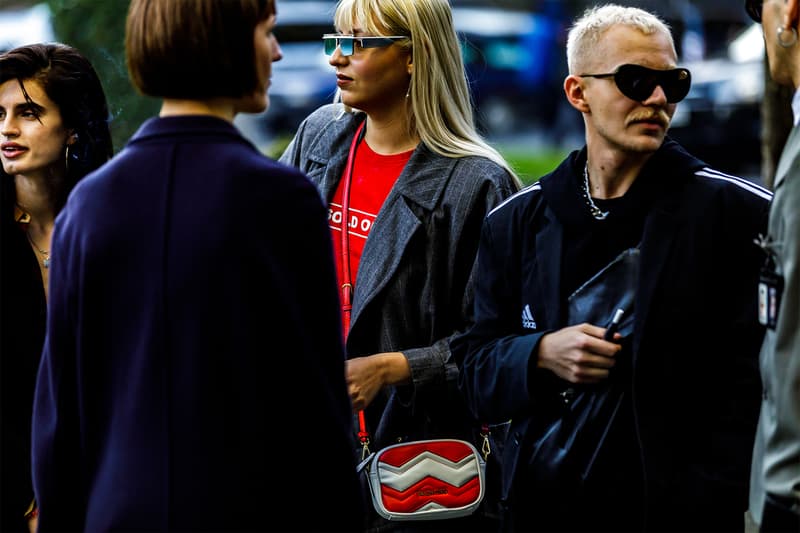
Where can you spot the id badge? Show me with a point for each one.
(770, 289)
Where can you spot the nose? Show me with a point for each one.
(336, 58)
(8, 128)
(277, 52)
(657, 97)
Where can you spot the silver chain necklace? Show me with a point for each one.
(596, 212)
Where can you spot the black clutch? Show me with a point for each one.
(570, 439)
(613, 288)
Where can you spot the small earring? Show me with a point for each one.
(791, 42)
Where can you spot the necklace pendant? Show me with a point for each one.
(46, 262)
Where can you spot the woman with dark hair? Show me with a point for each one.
(53, 131)
(192, 377)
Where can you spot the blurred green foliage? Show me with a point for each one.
(531, 164)
(97, 29)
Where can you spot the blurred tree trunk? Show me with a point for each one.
(776, 122)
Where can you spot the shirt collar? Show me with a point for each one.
(796, 107)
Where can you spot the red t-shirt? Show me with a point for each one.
(373, 177)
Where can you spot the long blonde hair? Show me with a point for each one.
(439, 102)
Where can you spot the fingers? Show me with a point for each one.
(586, 368)
(578, 354)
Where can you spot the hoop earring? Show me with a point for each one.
(66, 158)
(791, 42)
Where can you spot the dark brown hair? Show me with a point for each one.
(193, 49)
(71, 82)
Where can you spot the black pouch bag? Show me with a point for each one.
(565, 445)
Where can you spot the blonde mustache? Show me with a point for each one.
(657, 115)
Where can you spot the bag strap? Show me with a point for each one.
(347, 284)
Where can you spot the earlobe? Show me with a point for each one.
(72, 139)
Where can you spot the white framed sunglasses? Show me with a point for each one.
(346, 45)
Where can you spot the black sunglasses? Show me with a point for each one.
(346, 43)
(638, 82)
(753, 8)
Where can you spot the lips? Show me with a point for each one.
(12, 150)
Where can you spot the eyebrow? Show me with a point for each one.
(28, 106)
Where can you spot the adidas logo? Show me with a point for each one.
(527, 318)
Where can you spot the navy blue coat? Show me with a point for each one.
(193, 372)
(695, 386)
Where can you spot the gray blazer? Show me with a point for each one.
(413, 289)
(776, 456)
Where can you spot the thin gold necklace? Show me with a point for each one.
(45, 253)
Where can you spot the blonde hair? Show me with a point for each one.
(439, 102)
(585, 33)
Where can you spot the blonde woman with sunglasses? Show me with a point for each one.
(673, 453)
(398, 158)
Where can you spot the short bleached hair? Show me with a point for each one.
(585, 33)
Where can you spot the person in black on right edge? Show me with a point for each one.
(677, 454)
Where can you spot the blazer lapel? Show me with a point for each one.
(787, 155)
(421, 184)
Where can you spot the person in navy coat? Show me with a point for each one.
(193, 371)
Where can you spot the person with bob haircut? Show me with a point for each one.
(183, 310)
(397, 157)
(54, 129)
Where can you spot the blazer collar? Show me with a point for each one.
(791, 147)
(186, 125)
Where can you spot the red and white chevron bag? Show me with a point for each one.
(427, 480)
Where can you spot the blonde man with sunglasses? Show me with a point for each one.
(672, 451)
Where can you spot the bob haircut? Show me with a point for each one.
(70, 81)
(193, 49)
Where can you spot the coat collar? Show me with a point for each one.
(790, 149)
(422, 181)
(183, 125)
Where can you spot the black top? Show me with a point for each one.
(22, 323)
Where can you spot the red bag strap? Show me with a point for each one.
(347, 285)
